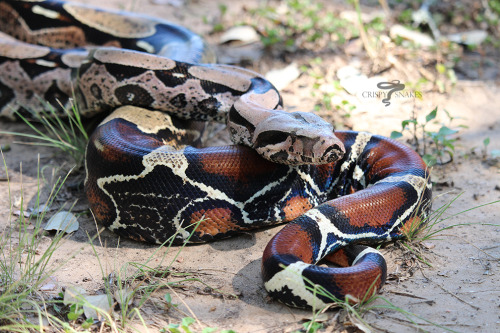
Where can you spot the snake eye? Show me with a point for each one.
(268, 138)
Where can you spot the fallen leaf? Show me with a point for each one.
(473, 37)
(50, 284)
(18, 213)
(236, 54)
(96, 304)
(73, 294)
(281, 78)
(40, 209)
(124, 295)
(428, 245)
(63, 221)
(244, 34)
(416, 37)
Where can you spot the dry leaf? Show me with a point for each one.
(97, 301)
(473, 37)
(63, 221)
(124, 295)
(243, 33)
(281, 78)
(73, 294)
(416, 37)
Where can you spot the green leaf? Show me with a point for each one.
(168, 299)
(56, 308)
(75, 313)
(218, 27)
(431, 115)
(396, 135)
(433, 135)
(429, 159)
(72, 316)
(174, 328)
(445, 131)
(222, 9)
(486, 142)
(449, 144)
(209, 329)
(441, 68)
(406, 122)
(87, 323)
(186, 322)
(312, 327)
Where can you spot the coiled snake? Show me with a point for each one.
(147, 179)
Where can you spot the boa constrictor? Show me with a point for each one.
(147, 179)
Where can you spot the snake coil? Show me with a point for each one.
(147, 178)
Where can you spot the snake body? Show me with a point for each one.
(147, 178)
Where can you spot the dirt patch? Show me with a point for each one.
(459, 291)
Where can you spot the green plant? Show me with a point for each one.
(123, 288)
(185, 326)
(312, 326)
(68, 135)
(129, 287)
(423, 228)
(168, 299)
(217, 24)
(355, 311)
(405, 16)
(426, 228)
(24, 268)
(435, 147)
(494, 153)
(446, 74)
(75, 311)
(325, 90)
(300, 24)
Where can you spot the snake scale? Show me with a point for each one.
(147, 177)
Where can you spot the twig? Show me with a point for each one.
(362, 33)
(399, 293)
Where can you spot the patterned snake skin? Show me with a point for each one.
(147, 178)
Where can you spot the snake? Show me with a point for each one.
(149, 177)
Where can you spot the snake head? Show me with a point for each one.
(297, 138)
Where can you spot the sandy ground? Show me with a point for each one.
(460, 292)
